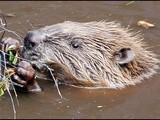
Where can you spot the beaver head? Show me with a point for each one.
(93, 54)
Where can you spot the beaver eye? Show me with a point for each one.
(75, 44)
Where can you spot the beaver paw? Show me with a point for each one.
(9, 43)
(25, 75)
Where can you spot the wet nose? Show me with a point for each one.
(29, 41)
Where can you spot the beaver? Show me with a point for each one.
(91, 54)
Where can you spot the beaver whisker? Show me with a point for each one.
(56, 81)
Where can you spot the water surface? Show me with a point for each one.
(140, 101)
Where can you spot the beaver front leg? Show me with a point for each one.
(24, 72)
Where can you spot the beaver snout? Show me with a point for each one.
(30, 40)
(30, 50)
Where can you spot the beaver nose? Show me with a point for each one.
(29, 41)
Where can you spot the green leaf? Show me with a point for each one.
(15, 60)
(1, 92)
(11, 56)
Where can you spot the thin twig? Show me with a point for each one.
(15, 93)
(13, 83)
(13, 106)
(3, 24)
(11, 32)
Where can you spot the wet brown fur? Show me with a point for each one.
(93, 63)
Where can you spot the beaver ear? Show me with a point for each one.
(124, 55)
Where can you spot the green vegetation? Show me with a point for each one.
(8, 72)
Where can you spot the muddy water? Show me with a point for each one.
(140, 101)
